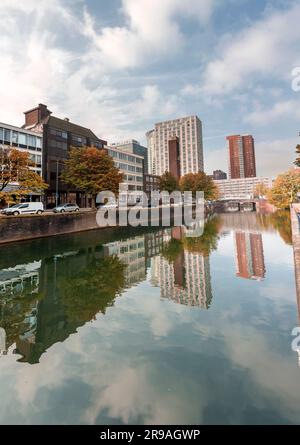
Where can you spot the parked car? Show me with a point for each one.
(66, 208)
(25, 208)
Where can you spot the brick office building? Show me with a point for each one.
(241, 157)
(58, 136)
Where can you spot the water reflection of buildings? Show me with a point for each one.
(17, 285)
(186, 280)
(132, 253)
(43, 302)
(249, 256)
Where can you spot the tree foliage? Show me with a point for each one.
(261, 190)
(168, 183)
(93, 289)
(172, 250)
(200, 182)
(15, 168)
(297, 162)
(285, 189)
(208, 242)
(92, 171)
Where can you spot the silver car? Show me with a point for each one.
(66, 208)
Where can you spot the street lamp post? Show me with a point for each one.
(56, 190)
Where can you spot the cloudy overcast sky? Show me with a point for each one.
(119, 66)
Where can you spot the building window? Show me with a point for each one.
(31, 141)
(14, 138)
(6, 136)
(22, 140)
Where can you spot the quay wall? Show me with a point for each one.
(26, 227)
(295, 208)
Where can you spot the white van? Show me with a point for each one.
(25, 208)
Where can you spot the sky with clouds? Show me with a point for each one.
(119, 66)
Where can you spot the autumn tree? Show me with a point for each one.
(91, 170)
(168, 183)
(199, 182)
(285, 189)
(297, 162)
(15, 168)
(261, 190)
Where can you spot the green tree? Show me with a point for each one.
(15, 168)
(206, 243)
(199, 182)
(92, 171)
(172, 249)
(285, 188)
(168, 183)
(297, 162)
(94, 289)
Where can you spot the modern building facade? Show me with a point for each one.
(58, 136)
(134, 147)
(12, 137)
(23, 140)
(241, 157)
(188, 130)
(219, 175)
(240, 188)
(131, 166)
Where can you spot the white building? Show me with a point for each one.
(240, 188)
(131, 166)
(23, 140)
(134, 147)
(189, 132)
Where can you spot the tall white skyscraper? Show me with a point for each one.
(189, 132)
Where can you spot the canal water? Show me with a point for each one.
(151, 326)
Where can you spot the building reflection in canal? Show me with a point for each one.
(249, 256)
(51, 289)
(185, 279)
(45, 301)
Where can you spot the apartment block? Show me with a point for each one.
(241, 157)
(188, 130)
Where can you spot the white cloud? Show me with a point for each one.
(40, 63)
(289, 109)
(275, 156)
(269, 47)
(152, 30)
